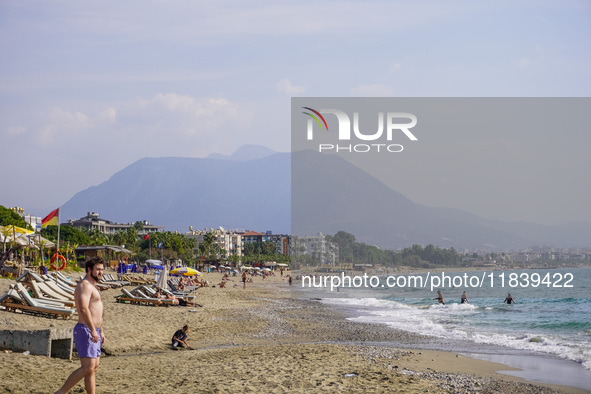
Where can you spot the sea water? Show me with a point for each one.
(552, 318)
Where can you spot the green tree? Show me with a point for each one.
(9, 217)
(67, 234)
(269, 248)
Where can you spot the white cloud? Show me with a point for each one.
(16, 130)
(395, 67)
(522, 62)
(60, 123)
(371, 91)
(183, 122)
(288, 88)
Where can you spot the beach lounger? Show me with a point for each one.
(29, 276)
(150, 294)
(63, 286)
(109, 283)
(180, 294)
(127, 296)
(29, 305)
(43, 295)
(135, 281)
(149, 291)
(111, 279)
(163, 301)
(10, 296)
(46, 307)
(58, 290)
(65, 280)
(49, 292)
(41, 301)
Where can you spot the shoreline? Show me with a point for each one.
(259, 339)
(531, 366)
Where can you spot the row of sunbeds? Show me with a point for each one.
(146, 295)
(46, 295)
(52, 295)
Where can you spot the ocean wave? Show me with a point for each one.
(495, 325)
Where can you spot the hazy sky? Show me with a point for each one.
(87, 88)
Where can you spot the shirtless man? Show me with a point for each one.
(88, 333)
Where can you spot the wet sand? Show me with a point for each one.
(257, 339)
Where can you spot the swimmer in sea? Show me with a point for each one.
(509, 299)
(464, 299)
(439, 297)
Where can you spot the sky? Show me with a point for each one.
(87, 88)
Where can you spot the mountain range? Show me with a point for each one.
(237, 193)
(255, 187)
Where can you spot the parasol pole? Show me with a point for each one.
(41, 249)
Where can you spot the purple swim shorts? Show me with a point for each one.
(83, 341)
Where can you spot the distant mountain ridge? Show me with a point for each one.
(200, 192)
(330, 194)
(253, 189)
(246, 152)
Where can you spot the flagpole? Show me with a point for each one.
(57, 257)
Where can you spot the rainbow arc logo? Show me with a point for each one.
(315, 118)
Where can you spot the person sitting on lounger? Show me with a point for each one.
(179, 339)
(175, 300)
(439, 297)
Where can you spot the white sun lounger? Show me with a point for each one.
(40, 294)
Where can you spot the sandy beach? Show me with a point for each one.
(257, 339)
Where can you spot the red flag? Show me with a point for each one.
(147, 236)
(52, 219)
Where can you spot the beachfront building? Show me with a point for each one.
(230, 241)
(252, 237)
(92, 221)
(233, 242)
(34, 221)
(322, 251)
(281, 242)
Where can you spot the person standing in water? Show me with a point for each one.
(464, 298)
(439, 297)
(509, 299)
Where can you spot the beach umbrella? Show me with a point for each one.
(38, 240)
(163, 279)
(186, 271)
(15, 229)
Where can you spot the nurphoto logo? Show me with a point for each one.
(397, 124)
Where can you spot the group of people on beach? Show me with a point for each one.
(464, 298)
